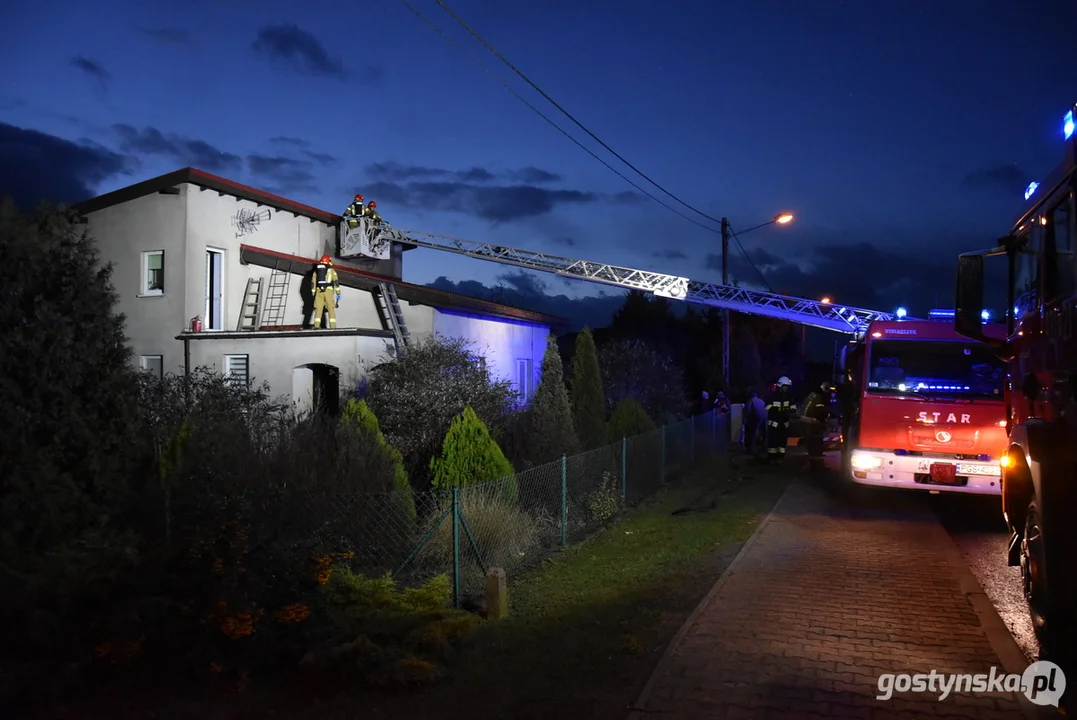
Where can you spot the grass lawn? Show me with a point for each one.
(589, 626)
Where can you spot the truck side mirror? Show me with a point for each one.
(968, 309)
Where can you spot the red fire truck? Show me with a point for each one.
(1039, 481)
(924, 408)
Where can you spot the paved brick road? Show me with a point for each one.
(831, 594)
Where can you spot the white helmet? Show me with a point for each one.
(783, 381)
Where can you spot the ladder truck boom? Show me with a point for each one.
(828, 316)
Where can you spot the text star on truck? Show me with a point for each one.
(1039, 479)
(924, 409)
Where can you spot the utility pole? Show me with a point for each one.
(725, 312)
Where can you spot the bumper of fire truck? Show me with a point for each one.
(913, 472)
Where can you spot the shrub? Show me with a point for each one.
(588, 402)
(506, 536)
(358, 418)
(605, 501)
(470, 456)
(628, 419)
(383, 635)
(638, 369)
(552, 431)
(417, 395)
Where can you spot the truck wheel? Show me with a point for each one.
(1032, 566)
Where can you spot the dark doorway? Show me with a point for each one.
(324, 389)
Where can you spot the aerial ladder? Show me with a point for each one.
(813, 313)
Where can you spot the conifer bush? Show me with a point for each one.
(357, 417)
(552, 431)
(629, 418)
(588, 398)
(469, 456)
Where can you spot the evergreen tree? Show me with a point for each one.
(357, 416)
(629, 418)
(469, 455)
(588, 399)
(553, 433)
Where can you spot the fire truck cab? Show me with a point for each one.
(1039, 481)
(924, 409)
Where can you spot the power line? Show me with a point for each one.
(542, 115)
(567, 114)
(749, 259)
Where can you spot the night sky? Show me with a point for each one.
(899, 132)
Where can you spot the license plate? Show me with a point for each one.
(972, 469)
(943, 472)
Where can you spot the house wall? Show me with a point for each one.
(187, 224)
(122, 233)
(502, 342)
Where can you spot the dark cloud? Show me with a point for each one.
(282, 174)
(431, 188)
(879, 275)
(304, 53)
(184, 150)
(493, 203)
(95, 71)
(36, 166)
(669, 254)
(394, 172)
(1006, 177)
(627, 197)
(566, 241)
(169, 35)
(289, 142)
(531, 292)
(537, 176)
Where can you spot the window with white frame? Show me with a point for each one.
(524, 379)
(154, 364)
(237, 368)
(153, 273)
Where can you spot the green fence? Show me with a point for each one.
(515, 522)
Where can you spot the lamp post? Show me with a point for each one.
(780, 219)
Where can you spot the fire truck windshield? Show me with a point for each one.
(932, 368)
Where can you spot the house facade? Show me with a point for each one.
(186, 245)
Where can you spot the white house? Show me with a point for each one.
(185, 245)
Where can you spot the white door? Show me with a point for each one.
(214, 316)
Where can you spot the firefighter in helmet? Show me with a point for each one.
(817, 410)
(780, 411)
(371, 212)
(324, 283)
(354, 212)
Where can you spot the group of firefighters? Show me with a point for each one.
(771, 420)
(324, 281)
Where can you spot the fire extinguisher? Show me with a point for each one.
(196, 324)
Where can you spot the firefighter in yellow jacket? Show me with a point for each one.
(780, 411)
(371, 212)
(324, 283)
(354, 212)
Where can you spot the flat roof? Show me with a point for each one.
(290, 331)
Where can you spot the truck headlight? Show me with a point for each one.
(861, 461)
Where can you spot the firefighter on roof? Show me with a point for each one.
(324, 282)
(354, 212)
(779, 412)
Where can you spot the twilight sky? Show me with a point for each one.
(899, 132)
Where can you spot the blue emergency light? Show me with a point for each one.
(941, 314)
(1067, 125)
(985, 315)
(901, 313)
(1031, 189)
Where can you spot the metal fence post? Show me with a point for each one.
(662, 470)
(564, 501)
(624, 467)
(456, 547)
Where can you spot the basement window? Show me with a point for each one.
(237, 368)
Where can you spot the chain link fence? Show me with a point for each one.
(515, 522)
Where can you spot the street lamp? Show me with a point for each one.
(781, 219)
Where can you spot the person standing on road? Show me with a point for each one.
(817, 411)
(779, 412)
(755, 415)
